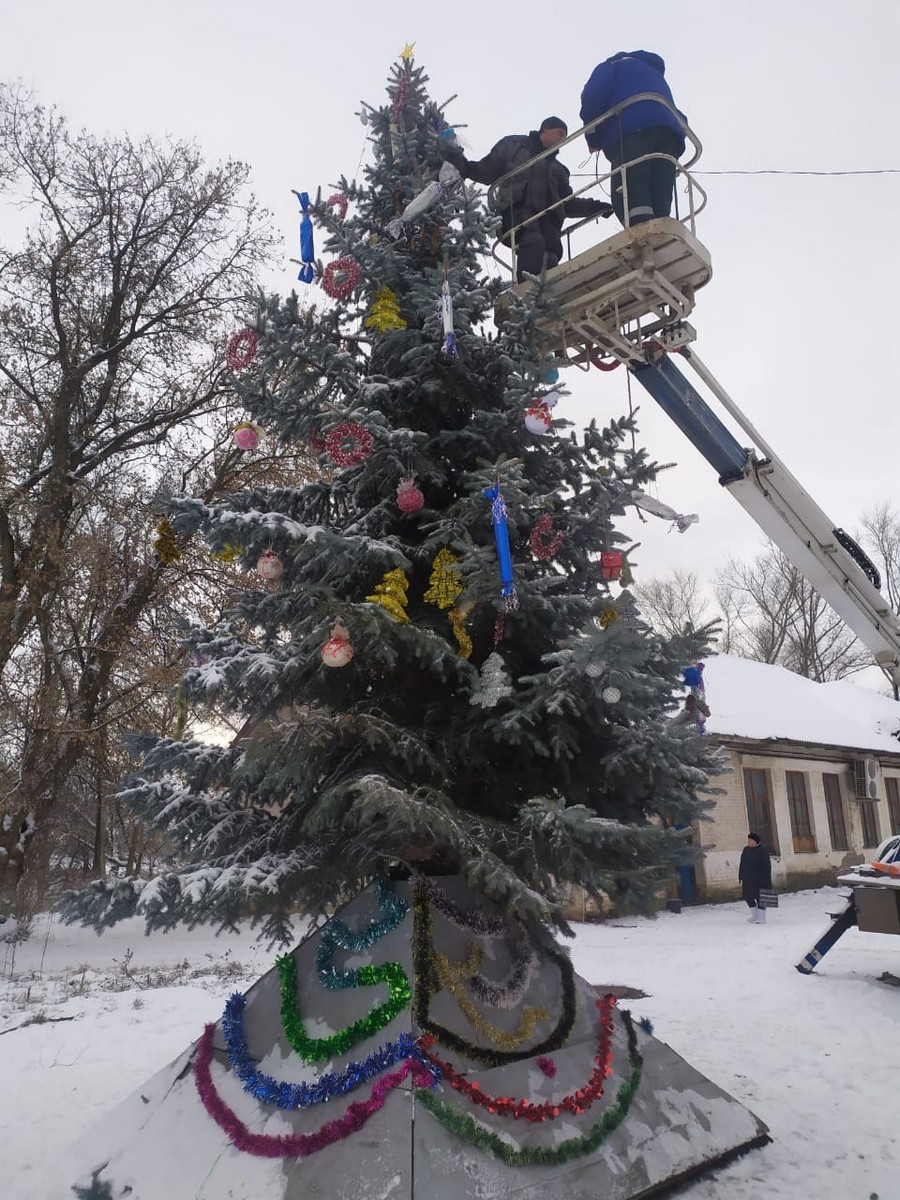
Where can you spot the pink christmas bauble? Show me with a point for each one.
(246, 437)
(409, 497)
(270, 566)
(337, 652)
(538, 419)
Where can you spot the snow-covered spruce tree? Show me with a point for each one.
(553, 766)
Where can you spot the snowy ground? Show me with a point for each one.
(85, 1020)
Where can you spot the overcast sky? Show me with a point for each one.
(799, 320)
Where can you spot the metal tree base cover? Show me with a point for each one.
(161, 1144)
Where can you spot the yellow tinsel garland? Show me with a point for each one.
(451, 976)
(458, 617)
(166, 546)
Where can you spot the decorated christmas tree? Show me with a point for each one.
(493, 706)
(452, 715)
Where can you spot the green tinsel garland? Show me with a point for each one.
(469, 1130)
(426, 981)
(317, 1049)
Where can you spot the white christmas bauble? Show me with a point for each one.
(595, 670)
(538, 420)
(337, 652)
(611, 695)
(270, 566)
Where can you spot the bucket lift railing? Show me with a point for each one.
(696, 196)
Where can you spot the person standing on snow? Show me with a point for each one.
(644, 127)
(754, 873)
(538, 245)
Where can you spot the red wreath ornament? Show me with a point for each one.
(543, 546)
(357, 452)
(340, 278)
(338, 201)
(241, 349)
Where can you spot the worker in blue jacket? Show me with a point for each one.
(644, 127)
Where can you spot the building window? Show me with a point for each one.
(892, 787)
(869, 819)
(798, 805)
(759, 807)
(834, 806)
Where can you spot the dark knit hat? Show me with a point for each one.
(553, 123)
(754, 837)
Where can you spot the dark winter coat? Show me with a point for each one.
(627, 73)
(533, 190)
(755, 872)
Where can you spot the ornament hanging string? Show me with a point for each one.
(307, 254)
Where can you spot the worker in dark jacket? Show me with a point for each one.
(644, 127)
(754, 873)
(521, 202)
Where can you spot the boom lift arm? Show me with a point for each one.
(760, 482)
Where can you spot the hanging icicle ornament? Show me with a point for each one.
(339, 203)
(538, 417)
(390, 593)
(501, 536)
(269, 566)
(438, 189)
(246, 436)
(611, 695)
(348, 444)
(337, 651)
(384, 315)
(611, 564)
(543, 545)
(494, 685)
(166, 545)
(448, 346)
(444, 586)
(339, 279)
(241, 349)
(307, 253)
(409, 497)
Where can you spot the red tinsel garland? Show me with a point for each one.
(357, 452)
(340, 278)
(294, 1145)
(507, 1106)
(338, 201)
(543, 546)
(241, 349)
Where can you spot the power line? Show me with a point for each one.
(768, 171)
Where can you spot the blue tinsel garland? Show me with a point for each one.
(302, 1095)
(337, 935)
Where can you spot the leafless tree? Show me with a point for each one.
(671, 604)
(772, 614)
(115, 305)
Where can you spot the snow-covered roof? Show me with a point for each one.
(756, 700)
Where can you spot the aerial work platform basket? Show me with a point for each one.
(632, 286)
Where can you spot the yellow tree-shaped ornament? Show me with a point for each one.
(391, 595)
